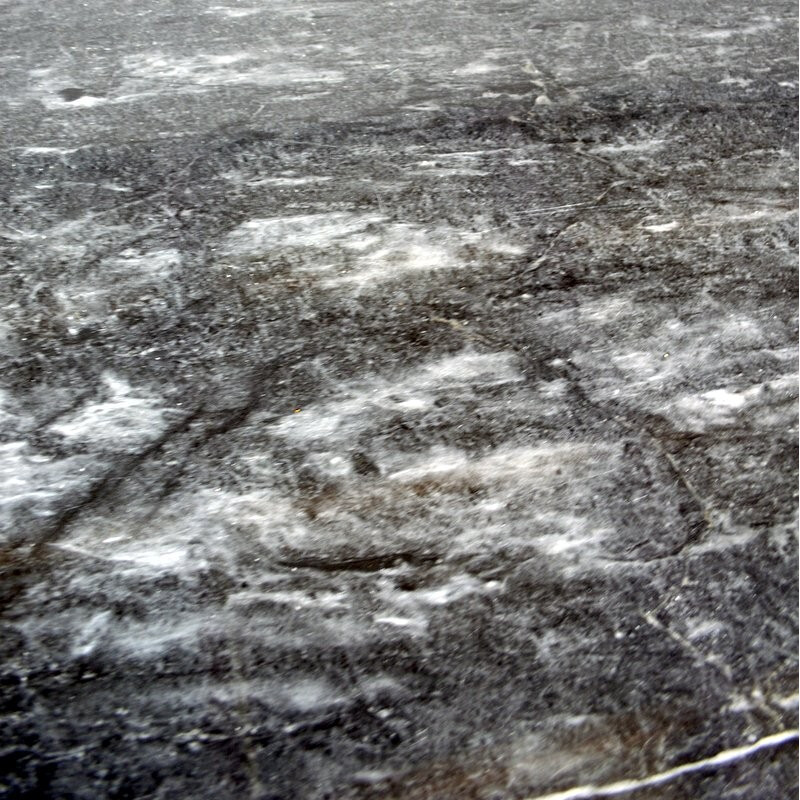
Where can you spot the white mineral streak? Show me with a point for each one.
(632, 784)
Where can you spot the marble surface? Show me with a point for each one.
(399, 399)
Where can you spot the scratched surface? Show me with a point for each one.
(398, 400)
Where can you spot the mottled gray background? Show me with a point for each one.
(398, 399)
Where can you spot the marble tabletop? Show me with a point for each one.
(399, 399)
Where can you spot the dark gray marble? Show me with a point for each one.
(399, 399)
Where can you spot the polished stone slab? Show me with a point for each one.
(399, 400)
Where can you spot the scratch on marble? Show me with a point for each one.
(632, 784)
(710, 659)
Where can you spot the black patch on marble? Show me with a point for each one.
(72, 94)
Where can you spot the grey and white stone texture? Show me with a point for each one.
(398, 399)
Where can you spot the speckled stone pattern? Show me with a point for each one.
(399, 400)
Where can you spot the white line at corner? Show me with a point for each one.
(629, 785)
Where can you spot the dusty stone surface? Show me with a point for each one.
(399, 400)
